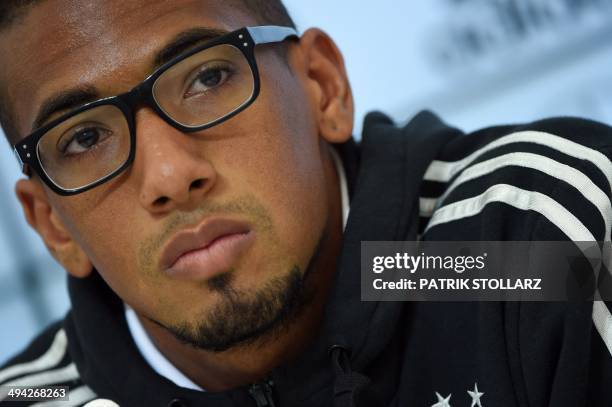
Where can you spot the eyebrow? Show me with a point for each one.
(186, 40)
(78, 96)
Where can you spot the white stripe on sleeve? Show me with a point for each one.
(49, 377)
(49, 359)
(518, 198)
(545, 165)
(426, 206)
(443, 171)
(603, 323)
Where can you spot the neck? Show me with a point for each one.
(242, 365)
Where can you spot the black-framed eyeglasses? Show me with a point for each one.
(194, 91)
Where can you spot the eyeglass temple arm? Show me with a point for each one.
(271, 33)
(25, 168)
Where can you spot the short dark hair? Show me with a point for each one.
(12, 10)
(266, 11)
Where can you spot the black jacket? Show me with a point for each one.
(397, 353)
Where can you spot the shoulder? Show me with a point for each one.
(585, 132)
(50, 345)
(556, 132)
(45, 361)
(546, 180)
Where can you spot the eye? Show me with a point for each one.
(83, 140)
(207, 78)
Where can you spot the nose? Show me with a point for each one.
(173, 172)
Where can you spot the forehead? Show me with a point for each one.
(109, 44)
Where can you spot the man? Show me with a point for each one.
(194, 178)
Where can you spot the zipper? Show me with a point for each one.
(262, 393)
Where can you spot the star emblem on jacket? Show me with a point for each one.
(442, 402)
(475, 395)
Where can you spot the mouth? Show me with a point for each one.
(213, 247)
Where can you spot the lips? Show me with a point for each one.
(211, 248)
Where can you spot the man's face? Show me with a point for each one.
(262, 170)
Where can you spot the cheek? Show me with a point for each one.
(107, 230)
(289, 175)
(281, 164)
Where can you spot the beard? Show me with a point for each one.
(242, 318)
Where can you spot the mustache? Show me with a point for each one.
(246, 206)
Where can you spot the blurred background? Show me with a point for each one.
(474, 62)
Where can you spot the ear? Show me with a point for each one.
(43, 218)
(329, 84)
